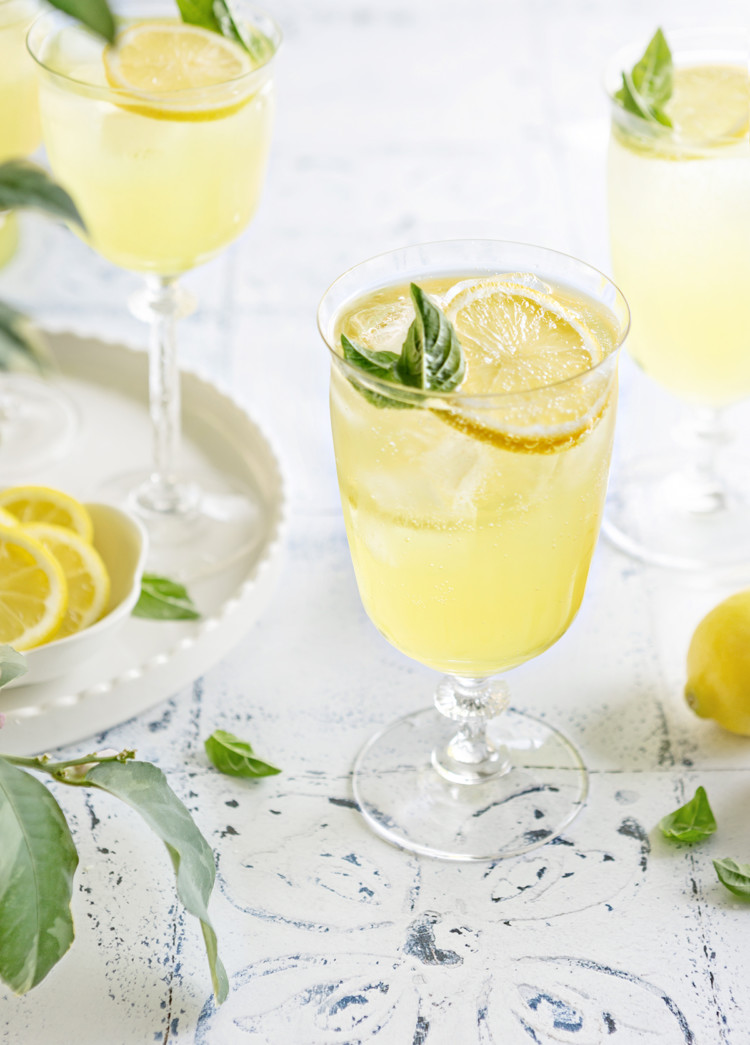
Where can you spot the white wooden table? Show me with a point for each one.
(398, 122)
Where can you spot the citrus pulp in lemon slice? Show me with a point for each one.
(33, 591)
(160, 58)
(44, 504)
(85, 573)
(519, 340)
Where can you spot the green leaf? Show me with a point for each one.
(431, 357)
(217, 15)
(647, 88)
(163, 599)
(12, 665)
(21, 345)
(95, 14)
(736, 877)
(692, 822)
(145, 788)
(37, 861)
(235, 757)
(23, 184)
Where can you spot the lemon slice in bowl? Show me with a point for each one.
(518, 339)
(31, 504)
(33, 590)
(159, 58)
(85, 573)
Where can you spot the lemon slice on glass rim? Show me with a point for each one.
(33, 590)
(173, 70)
(85, 574)
(32, 504)
(531, 351)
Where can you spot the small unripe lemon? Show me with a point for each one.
(718, 665)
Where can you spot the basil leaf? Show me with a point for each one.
(163, 599)
(145, 788)
(93, 13)
(691, 822)
(21, 345)
(648, 86)
(23, 184)
(12, 665)
(217, 16)
(431, 357)
(235, 757)
(736, 877)
(37, 861)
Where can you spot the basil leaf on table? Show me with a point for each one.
(235, 757)
(692, 822)
(736, 877)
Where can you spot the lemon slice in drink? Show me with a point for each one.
(518, 338)
(33, 591)
(43, 504)
(85, 573)
(160, 58)
(710, 103)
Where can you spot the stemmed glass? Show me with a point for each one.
(679, 217)
(472, 517)
(37, 420)
(165, 177)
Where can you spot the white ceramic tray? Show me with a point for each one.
(151, 660)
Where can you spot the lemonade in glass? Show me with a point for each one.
(679, 218)
(472, 515)
(20, 133)
(162, 140)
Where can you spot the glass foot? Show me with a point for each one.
(37, 424)
(208, 526)
(657, 513)
(404, 798)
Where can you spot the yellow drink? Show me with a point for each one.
(164, 178)
(679, 205)
(472, 526)
(20, 133)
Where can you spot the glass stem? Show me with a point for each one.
(470, 757)
(162, 305)
(704, 489)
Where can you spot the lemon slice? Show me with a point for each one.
(43, 504)
(159, 58)
(518, 338)
(6, 519)
(85, 573)
(710, 102)
(33, 591)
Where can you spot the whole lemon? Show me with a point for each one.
(718, 665)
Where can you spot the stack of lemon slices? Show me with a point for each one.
(53, 582)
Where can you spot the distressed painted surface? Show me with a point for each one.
(399, 122)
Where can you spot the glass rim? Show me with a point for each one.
(409, 394)
(728, 43)
(174, 100)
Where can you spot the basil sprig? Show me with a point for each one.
(692, 822)
(431, 357)
(164, 599)
(647, 88)
(736, 877)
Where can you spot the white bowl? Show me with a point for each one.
(122, 543)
